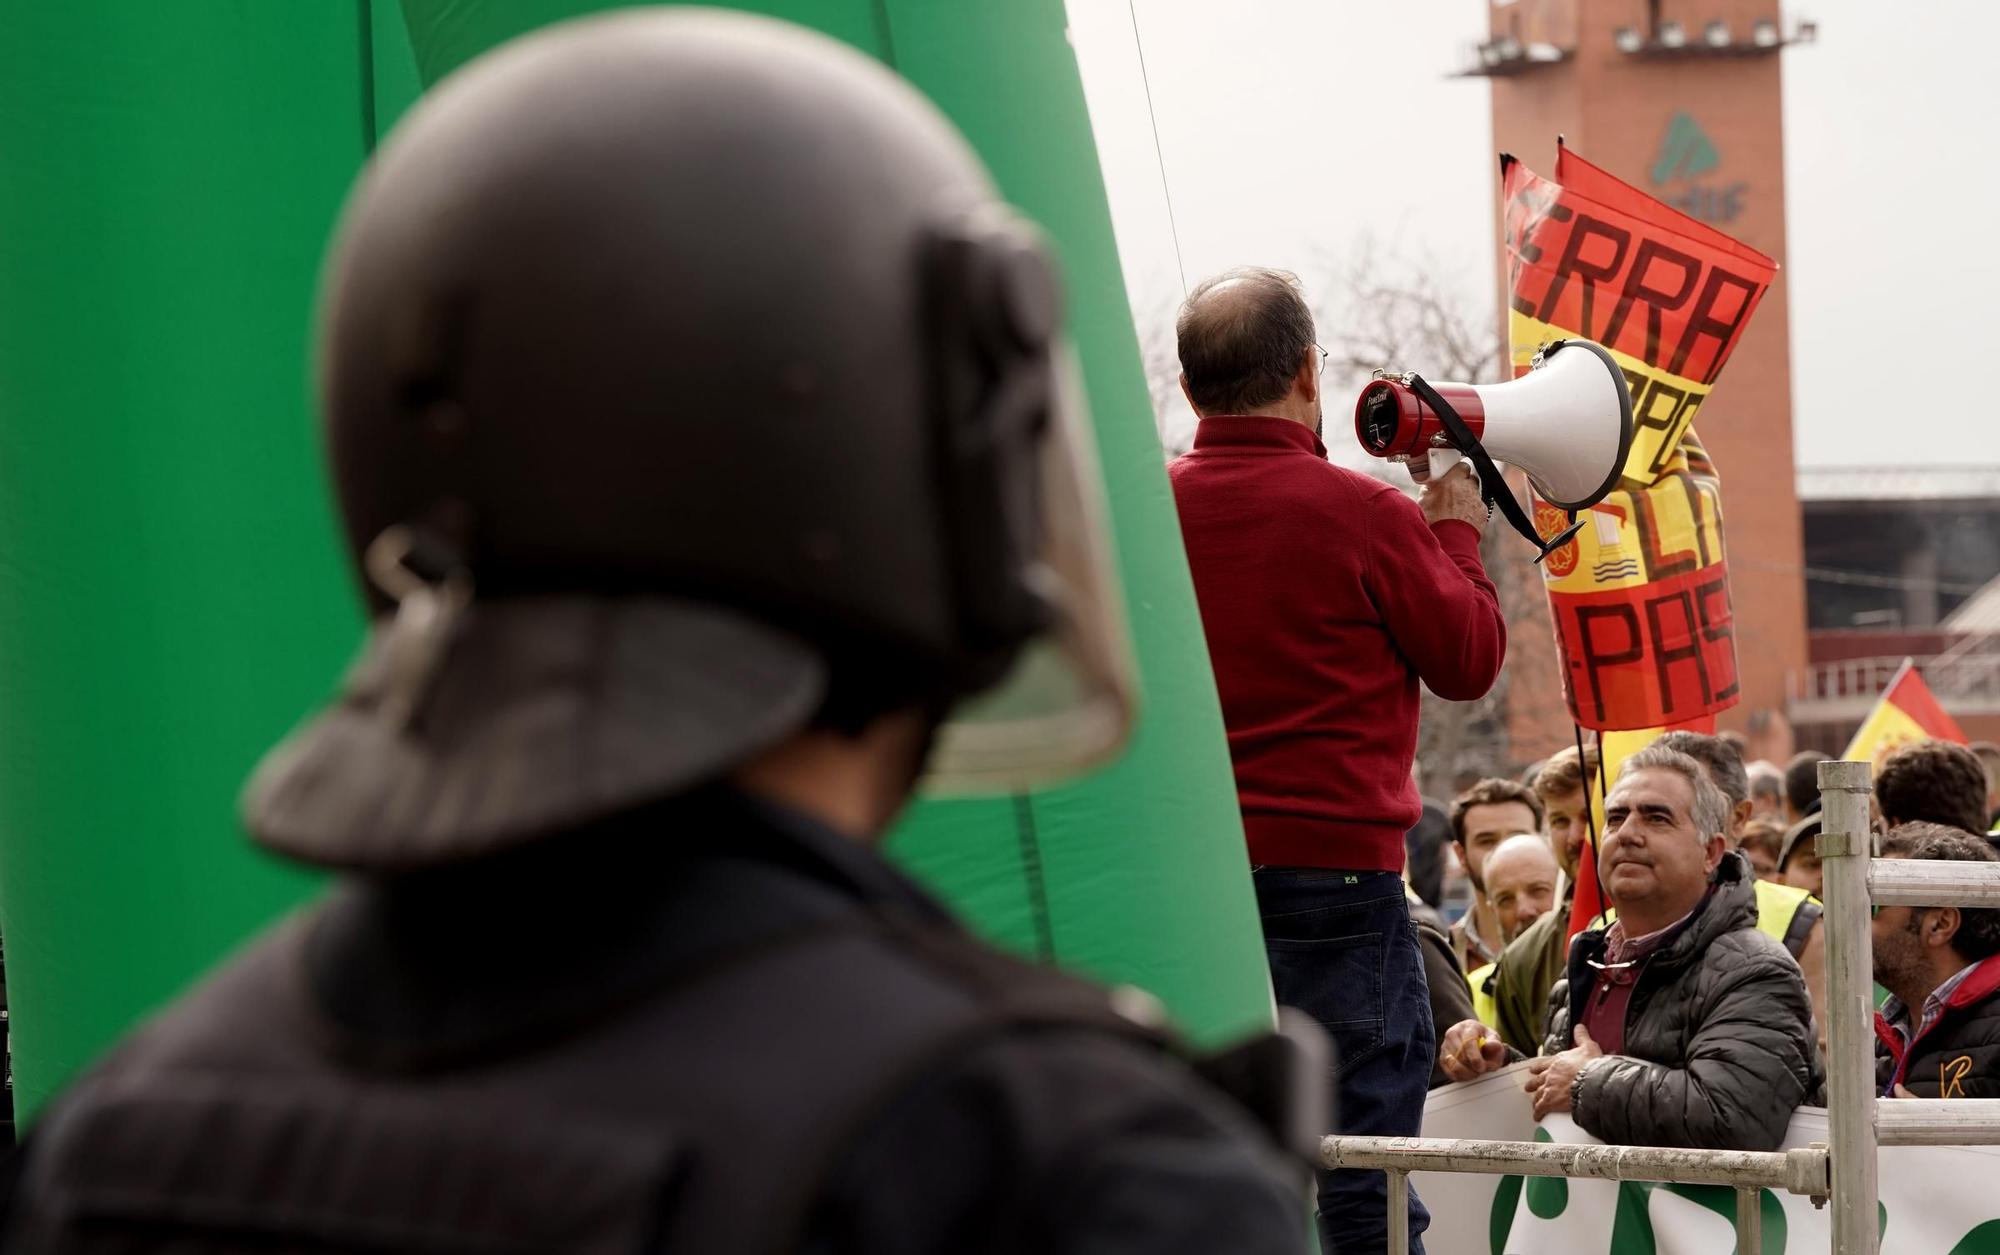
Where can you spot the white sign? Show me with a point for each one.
(1935, 1200)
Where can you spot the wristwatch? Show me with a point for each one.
(1576, 1085)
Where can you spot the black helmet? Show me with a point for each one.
(679, 370)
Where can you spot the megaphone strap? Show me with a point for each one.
(1491, 485)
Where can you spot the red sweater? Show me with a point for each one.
(1325, 597)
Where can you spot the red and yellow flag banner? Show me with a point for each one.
(1908, 711)
(1640, 598)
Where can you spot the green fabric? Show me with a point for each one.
(172, 597)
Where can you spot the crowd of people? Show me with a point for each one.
(1689, 1010)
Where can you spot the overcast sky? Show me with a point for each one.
(1294, 132)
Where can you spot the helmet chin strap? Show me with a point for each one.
(427, 613)
(1491, 486)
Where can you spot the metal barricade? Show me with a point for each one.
(1859, 1122)
(1844, 1170)
(1844, 850)
(1802, 1171)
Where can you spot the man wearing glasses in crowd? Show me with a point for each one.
(1682, 1024)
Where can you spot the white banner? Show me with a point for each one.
(1935, 1200)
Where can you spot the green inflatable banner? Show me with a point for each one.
(172, 598)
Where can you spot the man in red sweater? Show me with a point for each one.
(1326, 596)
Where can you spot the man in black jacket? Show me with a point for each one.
(1939, 1033)
(695, 415)
(1682, 1024)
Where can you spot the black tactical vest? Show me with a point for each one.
(693, 1120)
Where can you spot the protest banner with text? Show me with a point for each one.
(1640, 597)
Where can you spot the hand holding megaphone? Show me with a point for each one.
(1567, 423)
(1452, 493)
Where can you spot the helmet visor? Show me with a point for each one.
(1070, 700)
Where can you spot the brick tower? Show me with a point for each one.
(1681, 99)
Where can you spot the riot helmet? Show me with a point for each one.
(685, 379)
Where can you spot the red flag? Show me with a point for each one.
(1588, 902)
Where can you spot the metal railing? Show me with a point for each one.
(1968, 673)
(1854, 878)
(1842, 1171)
(1845, 850)
(1799, 1171)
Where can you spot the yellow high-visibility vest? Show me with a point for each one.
(1482, 995)
(1777, 906)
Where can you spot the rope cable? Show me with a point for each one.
(1159, 153)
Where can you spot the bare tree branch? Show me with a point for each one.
(1392, 313)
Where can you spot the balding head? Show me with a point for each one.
(1247, 346)
(1521, 882)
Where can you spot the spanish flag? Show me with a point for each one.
(1907, 712)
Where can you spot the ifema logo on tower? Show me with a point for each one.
(1686, 154)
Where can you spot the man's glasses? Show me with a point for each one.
(1323, 355)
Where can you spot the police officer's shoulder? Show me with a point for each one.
(224, 1037)
(1064, 1138)
(1063, 1113)
(248, 1014)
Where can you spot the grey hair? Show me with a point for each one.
(1766, 780)
(1711, 807)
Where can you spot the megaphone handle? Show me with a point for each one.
(1444, 459)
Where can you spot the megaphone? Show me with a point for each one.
(1567, 423)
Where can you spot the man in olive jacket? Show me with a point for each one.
(1681, 1024)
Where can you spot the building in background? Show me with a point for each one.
(1681, 99)
(1900, 563)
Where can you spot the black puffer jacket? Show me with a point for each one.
(1719, 1046)
(1957, 1057)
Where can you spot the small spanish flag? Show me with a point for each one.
(1908, 711)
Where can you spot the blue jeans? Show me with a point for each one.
(1343, 950)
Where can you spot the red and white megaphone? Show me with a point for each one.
(1567, 423)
